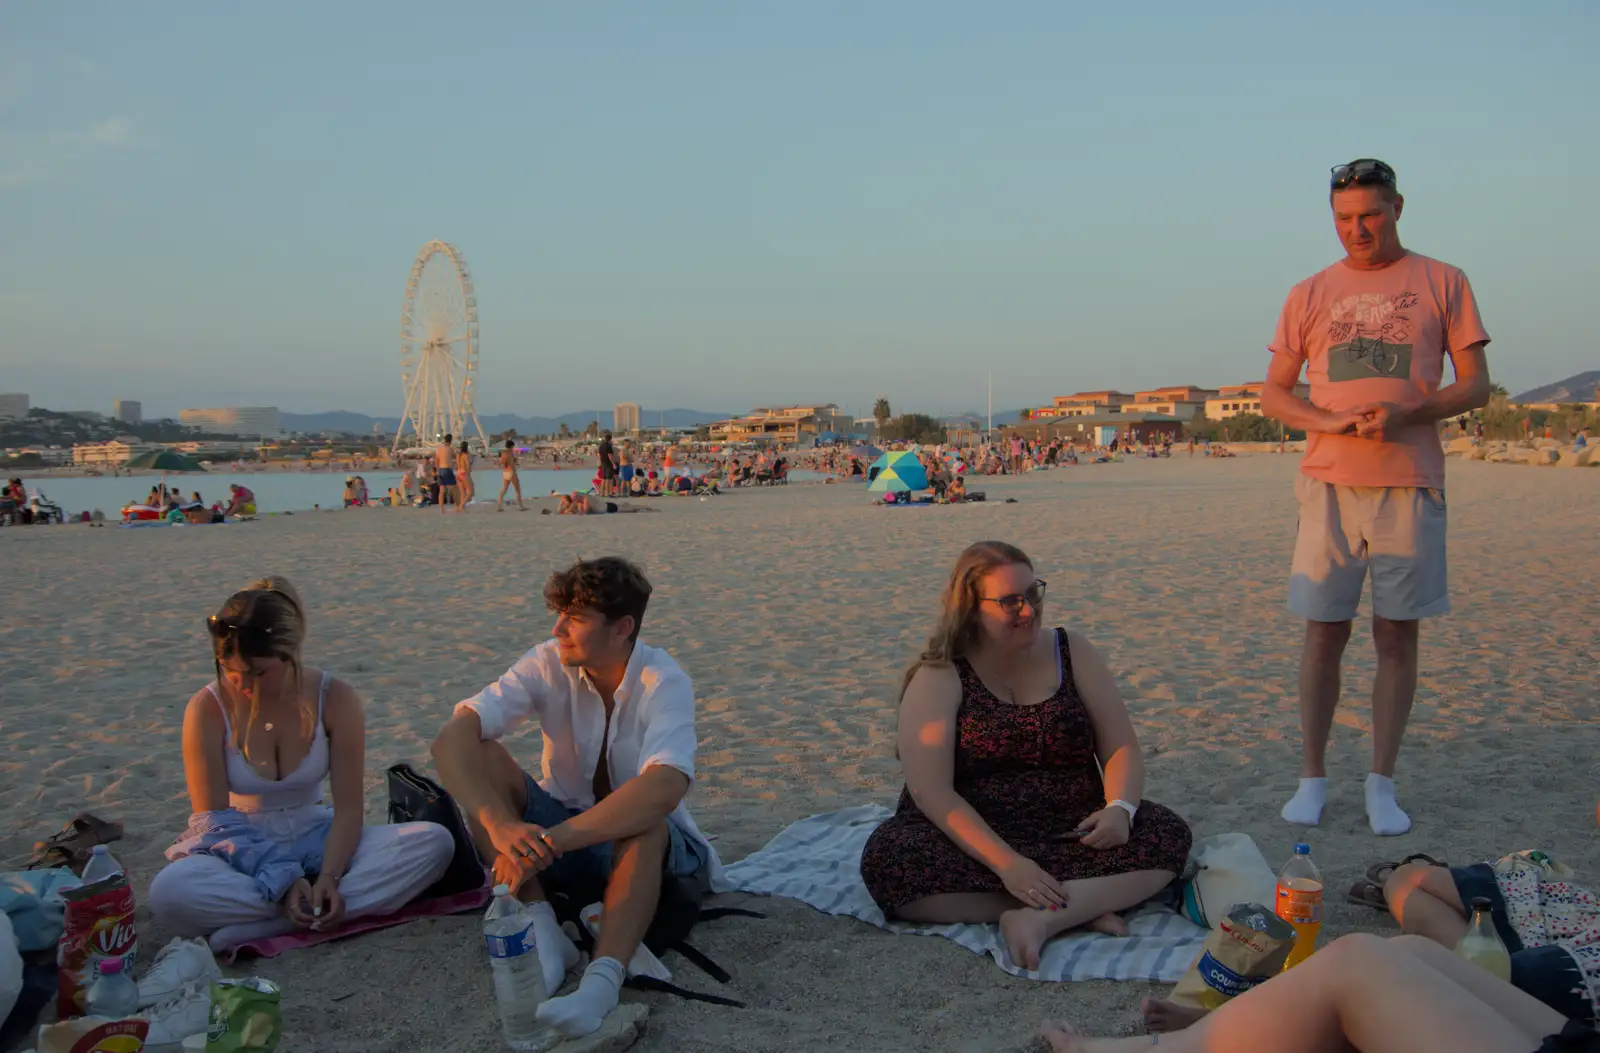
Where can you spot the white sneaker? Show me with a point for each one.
(178, 964)
(186, 1012)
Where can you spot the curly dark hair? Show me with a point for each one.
(611, 585)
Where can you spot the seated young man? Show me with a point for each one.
(617, 720)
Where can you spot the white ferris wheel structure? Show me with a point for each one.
(439, 350)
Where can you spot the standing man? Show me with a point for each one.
(608, 466)
(617, 722)
(1372, 332)
(444, 459)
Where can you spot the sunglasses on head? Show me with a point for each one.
(1364, 171)
(1033, 596)
(249, 639)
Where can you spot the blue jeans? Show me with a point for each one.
(591, 867)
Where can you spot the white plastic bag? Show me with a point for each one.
(1228, 870)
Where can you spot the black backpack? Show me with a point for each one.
(415, 798)
(679, 911)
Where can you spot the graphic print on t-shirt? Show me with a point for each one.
(1369, 337)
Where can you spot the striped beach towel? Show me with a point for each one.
(818, 862)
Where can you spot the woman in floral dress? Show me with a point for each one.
(1005, 727)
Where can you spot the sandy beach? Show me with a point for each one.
(795, 610)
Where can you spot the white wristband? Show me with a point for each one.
(1131, 809)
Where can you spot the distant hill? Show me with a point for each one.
(361, 424)
(1579, 388)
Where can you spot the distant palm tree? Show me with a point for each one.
(881, 413)
(566, 432)
(1498, 391)
(1024, 416)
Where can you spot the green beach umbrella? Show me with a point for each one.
(901, 472)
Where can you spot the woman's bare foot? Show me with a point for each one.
(1025, 931)
(1063, 1037)
(1161, 1016)
(1110, 924)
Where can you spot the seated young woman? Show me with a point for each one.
(1005, 817)
(263, 854)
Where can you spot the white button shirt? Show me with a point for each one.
(652, 723)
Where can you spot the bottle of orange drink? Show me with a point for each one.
(1299, 902)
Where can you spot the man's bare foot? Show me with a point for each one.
(1025, 931)
(1161, 1016)
(1063, 1037)
(1110, 924)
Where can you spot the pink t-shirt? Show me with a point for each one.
(1378, 336)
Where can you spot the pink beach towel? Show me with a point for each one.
(272, 946)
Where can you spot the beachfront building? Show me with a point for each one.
(1185, 402)
(1099, 429)
(1234, 399)
(789, 424)
(13, 405)
(128, 411)
(234, 420)
(625, 418)
(112, 454)
(1089, 403)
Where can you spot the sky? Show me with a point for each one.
(724, 205)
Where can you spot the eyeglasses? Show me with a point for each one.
(250, 639)
(1033, 597)
(1364, 171)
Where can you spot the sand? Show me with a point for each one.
(795, 610)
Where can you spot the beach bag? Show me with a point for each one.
(679, 910)
(415, 798)
(1224, 870)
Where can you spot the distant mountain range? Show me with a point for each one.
(1579, 388)
(494, 423)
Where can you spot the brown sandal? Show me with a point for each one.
(1368, 894)
(1378, 873)
(70, 848)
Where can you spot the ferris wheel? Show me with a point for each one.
(438, 350)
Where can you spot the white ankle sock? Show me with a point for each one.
(1383, 814)
(556, 952)
(584, 1010)
(1305, 807)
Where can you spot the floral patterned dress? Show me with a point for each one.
(1030, 771)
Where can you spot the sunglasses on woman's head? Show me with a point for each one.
(1033, 596)
(249, 639)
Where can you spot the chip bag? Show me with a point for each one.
(94, 1034)
(245, 1016)
(97, 924)
(1247, 947)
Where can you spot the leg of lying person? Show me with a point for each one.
(632, 893)
(1424, 900)
(1360, 992)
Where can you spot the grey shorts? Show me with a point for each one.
(1395, 533)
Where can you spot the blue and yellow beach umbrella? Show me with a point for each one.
(900, 471)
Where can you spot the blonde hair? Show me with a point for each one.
(270, 605)
(957, 629)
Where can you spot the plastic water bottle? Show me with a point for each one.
(518, 976)
(1299, 902)
(102, 864)
(113, 994)
(1481, 943)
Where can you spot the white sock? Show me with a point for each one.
(1305, 807)
(556, 952)
(1383, 814)
(584, 1010)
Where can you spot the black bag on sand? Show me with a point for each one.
(415, 798)
(678, 912)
